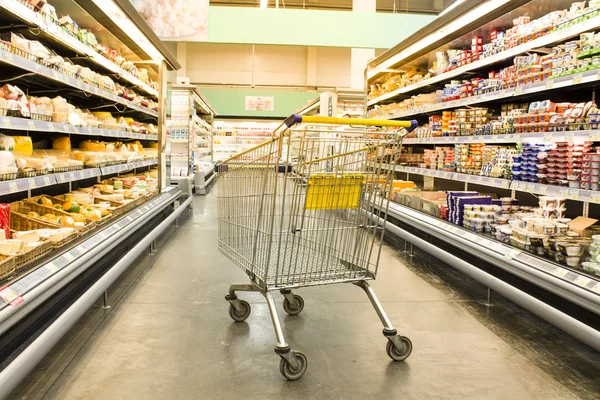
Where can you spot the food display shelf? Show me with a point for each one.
(561, 280)
(115, 169)
(537, 88)
(544, 41)
(52, 275)
(13, 60)
(51, 30)
(36, 182)
(537, 137)
(590, 196)
(24, 124)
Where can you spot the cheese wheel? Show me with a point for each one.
(62, 143)
(89, 145)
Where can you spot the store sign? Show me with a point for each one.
(176, 19)
(256, 103)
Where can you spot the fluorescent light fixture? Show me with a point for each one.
(264, 3)
(450, 28)
(451, 7)
(116, 14)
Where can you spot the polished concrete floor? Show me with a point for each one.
(168, 336)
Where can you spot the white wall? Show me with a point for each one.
(272, 65)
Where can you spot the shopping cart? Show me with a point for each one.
(301, 210)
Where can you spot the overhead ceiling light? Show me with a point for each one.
(446, 30)
(451, 7)
(116, 14)
(264, 3)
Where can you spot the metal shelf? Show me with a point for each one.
(55, 33)
(14, 60)
(24, 124)
(549, 137)
(25, 184)
(563, 82)
(114, 169)
(551, 38)
(590, 196)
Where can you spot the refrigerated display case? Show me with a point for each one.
(83, 180)
(231, 136)
(505, 96)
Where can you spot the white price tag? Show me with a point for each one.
(512, 254)
(549, 84)
(31, 183)
(577, 79)
(50, 127)
(6, 122)
(518, 90)
(560, 272)
(596, 288)
(12, 187)
(69, 257)
(47, 181)
(51, 267)
(582, 281)
(31, 125)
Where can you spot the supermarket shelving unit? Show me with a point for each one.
(348, 102)
(39, 306)
(567, 297)
(190, 119)
(232, 136)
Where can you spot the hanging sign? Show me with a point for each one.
(256, 103)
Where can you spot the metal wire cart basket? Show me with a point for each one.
(299, 210)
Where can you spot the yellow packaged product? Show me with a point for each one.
(23, 145)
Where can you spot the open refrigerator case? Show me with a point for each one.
(83, 166)
(507, 155)
(338, 103)
(189, 118)
(232, 136)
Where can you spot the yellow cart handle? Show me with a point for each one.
(298, 119)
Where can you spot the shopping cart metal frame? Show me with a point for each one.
(293, 364)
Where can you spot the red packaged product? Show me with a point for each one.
(5, 219)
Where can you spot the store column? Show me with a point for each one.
(360, 57)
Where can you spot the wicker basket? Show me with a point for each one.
(7, 268)
(20, 221)
(22, 260)
(89, 223)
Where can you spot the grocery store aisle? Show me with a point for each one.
(170, 337)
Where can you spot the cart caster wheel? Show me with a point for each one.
(399, 355)
(296, 308)
(290, 373)
(238, 316)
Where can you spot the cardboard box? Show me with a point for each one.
(432, 207)
(415, 199)
(581, 225)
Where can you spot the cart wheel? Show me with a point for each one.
(296, 308)
(240, 316)
(290, 373)
(401, 355)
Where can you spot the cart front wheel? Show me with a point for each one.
(296, 308)
(239, 316)
(290, 373)
(403, 353)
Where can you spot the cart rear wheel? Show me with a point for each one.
(240, 316)
(296, 308)
(290, 373)
(402, 354)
